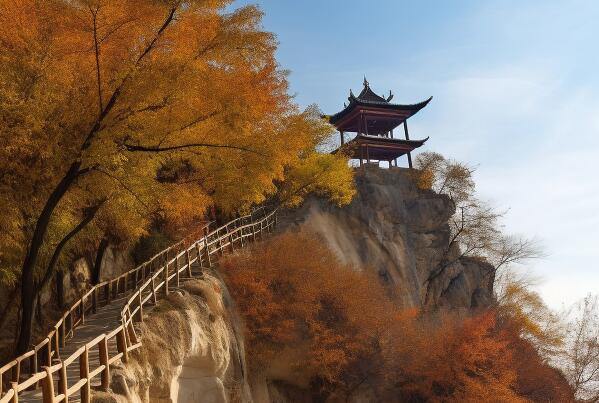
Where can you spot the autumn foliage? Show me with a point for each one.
(118, 113)
(293, 292)
(315, 323)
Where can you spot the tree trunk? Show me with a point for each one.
(38, 311)
(27, 273)
(97, 269)
(60, 289)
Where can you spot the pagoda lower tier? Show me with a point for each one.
(378, 148)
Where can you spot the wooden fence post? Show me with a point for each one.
(130, 329)
(103, 350)
(199, 254)
(56, 342)
(95, 300)
(231, 242)
(15, 388)
(48, 387)
(207, 251)
(63, 336)
(166, 278)
(49, 352)
(84, 374)
(63, 385)
(108, 292)
(32, 370)
(177, 270)
(154, 297)
(141, 308)
(121, 344)
(189, 273)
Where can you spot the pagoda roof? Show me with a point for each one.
(369, 99)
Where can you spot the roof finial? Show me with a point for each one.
(366, 85)
(390, 97)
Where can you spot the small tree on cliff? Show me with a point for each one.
(474, 228)
(580, 358)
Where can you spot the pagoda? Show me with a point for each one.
(373, 118)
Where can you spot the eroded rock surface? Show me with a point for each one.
(401, 232)
(192, 352)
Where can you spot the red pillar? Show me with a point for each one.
(405, 128)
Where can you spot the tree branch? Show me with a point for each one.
(136, 148)
(116, 93)
(88, 216)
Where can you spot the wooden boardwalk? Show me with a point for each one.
(104, 321)
(96, 333)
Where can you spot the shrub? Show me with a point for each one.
(311, 321)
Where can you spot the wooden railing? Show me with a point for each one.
(148, 282)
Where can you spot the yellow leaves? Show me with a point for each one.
(527, 312)
(126, 90)
(322, 174)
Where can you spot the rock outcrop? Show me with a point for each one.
(192, 351)
(192, 344)
(401, 232)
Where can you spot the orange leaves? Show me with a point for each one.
(293, 293)
(311, 321)
(449, 359)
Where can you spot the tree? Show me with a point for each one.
(450, 358)
(580, 358)
(523, 310)
(156, 107)
(474, 228)
(305, 313)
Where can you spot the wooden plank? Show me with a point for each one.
(30, 381)
(8, 397)
(96, 371)
(115, 358)
(79, 385)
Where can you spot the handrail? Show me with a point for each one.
(146, 282)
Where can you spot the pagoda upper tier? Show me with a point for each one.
(372, 114)
(373, 118)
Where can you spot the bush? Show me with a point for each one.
(294, 293)
(311, 321)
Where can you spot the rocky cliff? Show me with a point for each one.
(193, 347)
(401, 232)
(192, 351)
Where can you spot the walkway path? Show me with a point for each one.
(101, 339)
(104, 321)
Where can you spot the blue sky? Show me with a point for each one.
(516, 93)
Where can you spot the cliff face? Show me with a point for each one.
(192, 351)
(193, 347)
(400, 232)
